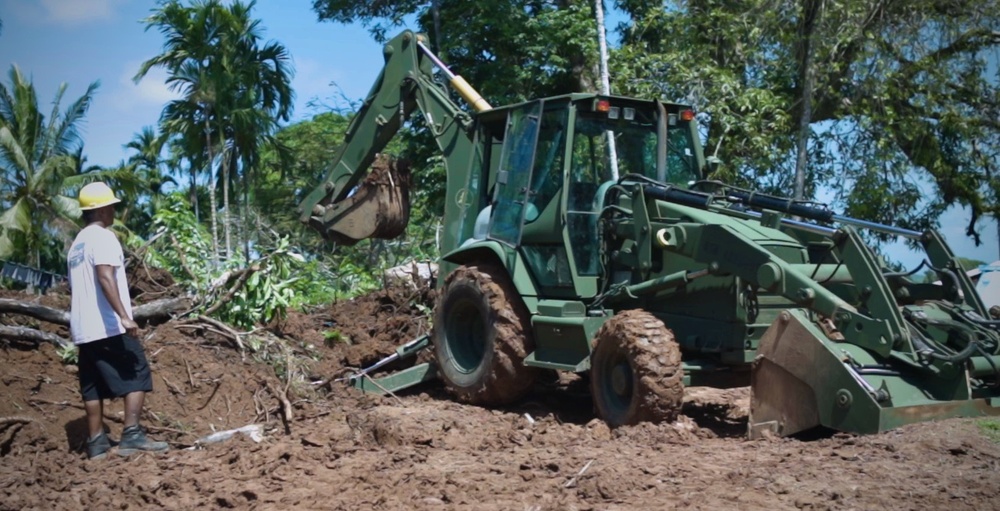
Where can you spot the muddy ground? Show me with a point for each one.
(344, 450)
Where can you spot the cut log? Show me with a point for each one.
(35, 310)
(23, 333)
(159, 309)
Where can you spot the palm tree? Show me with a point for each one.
(260, 81)
(147, 171)
(40, 161)
(188, 52)
(235, 89)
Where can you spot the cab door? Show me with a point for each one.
(514, 174)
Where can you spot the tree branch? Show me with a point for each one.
(23, 333)
(244, 274)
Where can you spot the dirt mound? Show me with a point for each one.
(420, 450)
(149, 283)
(358, 332)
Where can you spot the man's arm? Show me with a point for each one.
(106, 278)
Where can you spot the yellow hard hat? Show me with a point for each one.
(96, 195)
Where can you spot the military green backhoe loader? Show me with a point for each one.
(579, 235)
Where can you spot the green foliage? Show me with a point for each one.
(69, 354)
(510, 50)
(341, 271)
(333, 337)
(904, 103)
(275, 282)
(284, 179)
(268, 292)
(40, 157)
(990, 428)
(235, 87)
(186, 245)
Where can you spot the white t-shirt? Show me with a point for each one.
(91, 317)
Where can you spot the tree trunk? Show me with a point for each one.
(602, 44)
(211, 194)
(245, 224)
(436, 15)
(811, 10)
(227, 221)
(194, 193)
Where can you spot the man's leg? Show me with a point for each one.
(95, 416)
(133, 407)
(133, 437)
(98, 443)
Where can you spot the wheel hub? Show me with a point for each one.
(621, 379)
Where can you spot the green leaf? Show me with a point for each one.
(18, 217)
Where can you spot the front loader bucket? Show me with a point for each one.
(801, 379)
(378, 208)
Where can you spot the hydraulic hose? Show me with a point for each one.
(980, 321)
(945, 271)
(907, 273)
(932, 349)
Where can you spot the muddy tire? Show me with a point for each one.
(482, 332)
(635, 370)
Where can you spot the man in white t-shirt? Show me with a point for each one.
(111, 360)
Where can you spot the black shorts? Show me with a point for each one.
(113, 367)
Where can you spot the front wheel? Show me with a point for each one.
(482, 333)
(636, 374)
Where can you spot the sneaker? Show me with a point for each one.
(134, 440)
(97, 447)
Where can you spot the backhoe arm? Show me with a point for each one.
(345, 212)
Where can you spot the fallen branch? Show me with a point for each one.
(173, 387)
(212, 396)
(23, 333)
(190, 376)
(180, 255)
(286, 407)
(226, 330)
(35, 310)
(383, 389)
(158, 309)
(244, 274)
(140, 252)
(6, 421)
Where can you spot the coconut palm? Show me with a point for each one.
(40, 162)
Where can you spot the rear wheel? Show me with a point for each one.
(482, 333)
(636, 373)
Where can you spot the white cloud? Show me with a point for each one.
(72, 12)
(152, 89)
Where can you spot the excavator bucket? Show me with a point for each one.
(802, 379)
(378, 208)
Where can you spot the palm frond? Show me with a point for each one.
(18, 216)
(67, 134)
(66, 207)
(12, 152)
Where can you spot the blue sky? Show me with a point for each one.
(81, 41)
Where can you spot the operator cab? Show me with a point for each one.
(559, 156)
